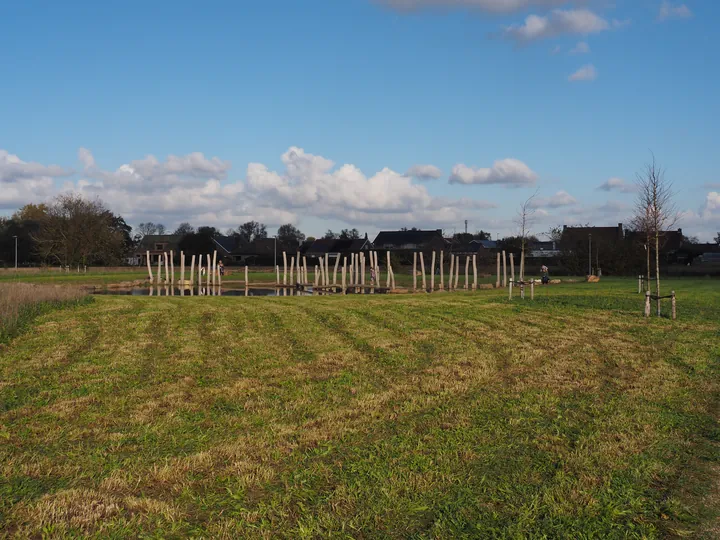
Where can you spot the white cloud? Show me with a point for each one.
(490, 6)
(585, 73)
(13, 169)
(617, 184)
(424, 172)
(558, 22)
(560, 199)
(669, 10)
(508, 172)
(581, 48)
(712, 203)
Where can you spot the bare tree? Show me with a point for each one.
(524, 221)
(146, 229)
(79, 231)
(655, 213)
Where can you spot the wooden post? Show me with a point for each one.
(674, 305)
(182, 269)
(389, 268)
(442, 271)
(639, 284)
(147, 256)
(192, 272)
(277, 273)
(284, 268)
(392, 279)
(299, 267)
(209, 270)
(432, 273)
(522, 266)
(167, 268)
(247, 280)
(422, 269)
(292, 269)
(199, 272)
(362, 270)
(497, 282)
(504, 261)
(214, 266)
(474, 272)
(457, 271)
(337, 263)
(415, 271)
(511, 287)
(532, 289)
(647, 303)
(305, 274)
(512, 267)
(317, 276)
(159, 271)
(522, 290)
(219, 277)
(344, 269)
(467, 272)
(452, 271)
(172, 268)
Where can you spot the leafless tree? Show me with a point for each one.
(79, 231)
(655, 213)
(524, 221)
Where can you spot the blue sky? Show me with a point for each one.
(372, 84)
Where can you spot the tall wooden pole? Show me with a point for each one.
(504, 258)
(497, 283)
(522, 266)
(467, 272)
(422, 269)
(292, 269)
(247, 278)
(149, 267)
(182, 269)
(389, 268)
(192, 271)
(512, 266)
(442, 270)
(457, 271)
(172, 268)
(277, 273)
(209, 270)
(337, 263)
(344, 269)
(299, 267)
(452, 271)
(214, 266)
(167, 270)
(306, 279)
(415, 271)
(159, 271)
(284, 268)
(432, 273)
(474, 272)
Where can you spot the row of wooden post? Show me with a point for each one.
(353, 272)
(212, 270)
(454, 277)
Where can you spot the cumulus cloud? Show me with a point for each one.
(581, 48)
(712, 203)
(617, 184)
(556, 23)
(424, 172)
(560, 199)
(490, 6)
(585, 73)
(13, 169)
(509, 172)
(669, 10)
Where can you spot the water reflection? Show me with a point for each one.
(219, 291)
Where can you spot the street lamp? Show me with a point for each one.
(16, 241)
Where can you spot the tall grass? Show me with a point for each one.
(20, 303)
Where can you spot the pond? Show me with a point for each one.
(218, 291)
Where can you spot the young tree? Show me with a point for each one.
(524, 220)
(655, 213)
(252, 230)
(184, 228)
(290, 236)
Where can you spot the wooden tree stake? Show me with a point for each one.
(415, 271)
(467, 272)
(284, 268)
(474, 272)
(442, 271)
(422, 269)
(149, 267)
(512, 266)
(432, 273)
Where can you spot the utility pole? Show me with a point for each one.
(466, 226)
(16, 241)
(590, 254)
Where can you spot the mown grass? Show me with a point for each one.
(425, 416)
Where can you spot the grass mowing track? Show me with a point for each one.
(443, 416)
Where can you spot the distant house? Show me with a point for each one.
(262, 251)
(544, 249)
(156, 244)
(487, 244)
(226, 245)
(410, 241)
(582, 237)
(336, 248)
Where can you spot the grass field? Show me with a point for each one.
(422, 416)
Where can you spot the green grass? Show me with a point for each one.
(423, 416)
